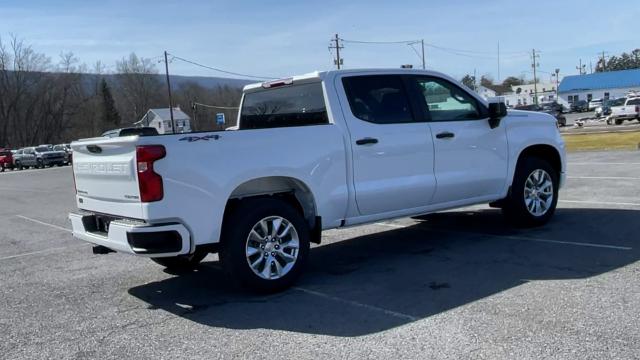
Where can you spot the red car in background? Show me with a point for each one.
(6, 159)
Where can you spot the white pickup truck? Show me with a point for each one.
(624, 109)
(309, 153)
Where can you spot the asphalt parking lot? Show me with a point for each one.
(458, 284)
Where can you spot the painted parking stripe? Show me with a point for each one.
(521, 238)
(604, 177)
(27, 171)
(49, 250)
(605, 203)
(358, 304)
(44, 223)
(601, 163)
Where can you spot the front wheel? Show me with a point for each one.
(40, 164)
(265, 244)
(534, 193)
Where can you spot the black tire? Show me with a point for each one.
(183, 262)
(515, 208)
(619, 122)
(40, 164)
(235, 237)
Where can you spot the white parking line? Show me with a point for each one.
(26, 171)
(604, 177)
(357, 304)
(521, 238)
(608, 203)
(44, 223)
(601, 163)
(40, 252)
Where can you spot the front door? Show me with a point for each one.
(470, 157)
(392, 149)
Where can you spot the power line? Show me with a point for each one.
(221, 70)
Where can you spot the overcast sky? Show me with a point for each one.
(279, 38)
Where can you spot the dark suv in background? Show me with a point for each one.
(580, 106)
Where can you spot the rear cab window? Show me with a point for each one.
(285, 106)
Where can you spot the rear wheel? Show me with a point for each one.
(534, 193)
(182, 262)
(619, 121)
(265, 245)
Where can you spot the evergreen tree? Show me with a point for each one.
(110, 114)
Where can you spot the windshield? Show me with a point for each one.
(42, 149)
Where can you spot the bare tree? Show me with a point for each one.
(139, 86)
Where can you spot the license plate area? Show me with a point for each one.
(98, 224)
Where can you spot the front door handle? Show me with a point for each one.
(445, 135)
(366, 141)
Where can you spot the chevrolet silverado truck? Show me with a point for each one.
(624, 109)
(309, 153)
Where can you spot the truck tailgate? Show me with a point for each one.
(105, 176)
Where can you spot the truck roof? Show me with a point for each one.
(321, 75)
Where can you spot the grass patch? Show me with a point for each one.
(603, 141)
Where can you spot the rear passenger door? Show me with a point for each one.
(392, 147)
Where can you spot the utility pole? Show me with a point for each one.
(535, 64)
(498, 80)
(337, 46)
(424, 65)
(604, 62)
(557, 84)
(166, 68)
(581, 68)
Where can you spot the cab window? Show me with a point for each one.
(447, 102)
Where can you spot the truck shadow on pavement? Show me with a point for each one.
(379, 281)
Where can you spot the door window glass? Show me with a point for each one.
(446, 101)
(379, 99)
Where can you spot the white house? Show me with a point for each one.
(602, 85)
(485, 92)
(161, 120)
(525, 94)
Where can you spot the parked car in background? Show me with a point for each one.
(67, 150)
(593, 104)
(22, 158)
(605, 108)
(629, 110)
(6, 159)
(39, 156)
(580, 106)
(553, 109)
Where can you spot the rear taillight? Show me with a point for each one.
(149, 182)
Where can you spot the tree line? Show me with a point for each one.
(44, 101)
(624, 61)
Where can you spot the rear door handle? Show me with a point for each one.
(366, 141)
(445, 135)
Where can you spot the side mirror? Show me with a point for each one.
(497, 110)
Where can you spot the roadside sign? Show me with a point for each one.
(220, 118)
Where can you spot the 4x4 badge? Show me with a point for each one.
(196, 138)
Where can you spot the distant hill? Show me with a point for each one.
(177, 81)
(207, 82)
